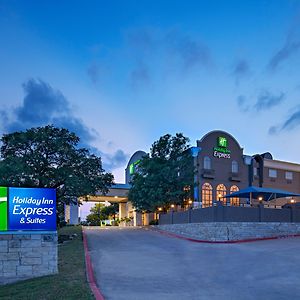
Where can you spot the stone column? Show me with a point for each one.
(146, 219)
(137, 219)
(67, 213)
(74, 214)
(122, 210)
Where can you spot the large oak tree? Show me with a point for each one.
(49, 157)
(165, 176)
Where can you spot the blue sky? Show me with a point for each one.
(123, 73)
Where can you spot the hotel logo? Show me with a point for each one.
(3, 208)
(221, 151)
(222, 142)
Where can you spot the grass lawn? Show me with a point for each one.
(70, 283)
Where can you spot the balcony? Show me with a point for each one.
(235, 176)
(208, 173)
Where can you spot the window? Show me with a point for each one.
(221, 191)
(289, 175)
(206, 195)
(255, 171)
(234, 167)
(272, 173)
(207, 163)
(235, 201)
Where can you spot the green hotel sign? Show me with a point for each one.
(3, 208)
(133, 167)
(222, 142)
(221, 151)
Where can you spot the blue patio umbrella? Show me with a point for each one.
(253, 192)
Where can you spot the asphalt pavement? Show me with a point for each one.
(140, 264)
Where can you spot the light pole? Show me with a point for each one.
(195, 151)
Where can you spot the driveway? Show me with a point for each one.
(140, 264)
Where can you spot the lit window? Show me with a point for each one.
(206, 195)
(289, 175)
(234, 167)
(272, 173)
(235, 201)
(221, 191)
(207, 163)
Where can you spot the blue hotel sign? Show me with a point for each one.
(27, 209)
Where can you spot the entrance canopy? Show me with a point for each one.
(265, 194)
(116, 194)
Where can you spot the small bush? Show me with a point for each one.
(153, 222)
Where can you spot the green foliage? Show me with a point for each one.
(95, 217)
(49, 157)
(110, 211)
(165, 176)
(153, 222)
(100, 212)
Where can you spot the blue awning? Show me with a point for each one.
(267, 194)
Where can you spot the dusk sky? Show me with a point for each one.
(123, 73)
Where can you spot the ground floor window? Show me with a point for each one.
(235, 201)
(221, 192)
(206, 195)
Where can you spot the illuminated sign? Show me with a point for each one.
(221, 151)
(133, 167)
(28, 209)
(3, 208)
(222, 142)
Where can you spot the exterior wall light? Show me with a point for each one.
(292, 200)
(260, 198)
(172, 205)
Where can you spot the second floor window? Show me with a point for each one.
(272, 173)
(289, 175)
(207, 163)
(234, 167)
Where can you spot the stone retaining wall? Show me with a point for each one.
(230, 231)
(24, 256)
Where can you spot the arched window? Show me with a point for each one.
(234, 167)
(234, 201)
(206, 195)
(207, 163)
(221, 191)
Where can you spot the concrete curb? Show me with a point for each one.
(174, 235)
(89, 270)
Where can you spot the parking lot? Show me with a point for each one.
(134, 263)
